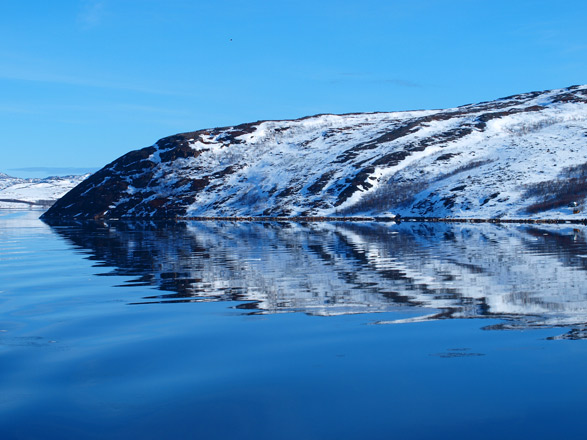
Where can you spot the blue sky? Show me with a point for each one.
(85, 81)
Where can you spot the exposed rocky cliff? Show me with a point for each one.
(520, 156)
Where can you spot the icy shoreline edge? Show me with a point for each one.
(378, 219)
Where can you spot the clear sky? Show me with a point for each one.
(85, 81)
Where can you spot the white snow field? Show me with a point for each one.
(19, 193)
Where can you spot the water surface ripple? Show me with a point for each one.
(527, 276)
(220, 330)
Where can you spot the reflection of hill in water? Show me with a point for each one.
(530, 276)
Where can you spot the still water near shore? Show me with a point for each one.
(273, 330)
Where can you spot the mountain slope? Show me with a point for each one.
(504, 158)
(17, 192)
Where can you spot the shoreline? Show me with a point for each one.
(375, 219)
(315, 219)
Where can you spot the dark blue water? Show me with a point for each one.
(289, 331)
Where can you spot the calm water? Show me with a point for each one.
(289, 331)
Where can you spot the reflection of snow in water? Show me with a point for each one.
(531, 276)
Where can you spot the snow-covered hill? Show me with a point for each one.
(17, 193)
(520, 156)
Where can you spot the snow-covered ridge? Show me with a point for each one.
(16, 192)
(21, 193)
(493, 159)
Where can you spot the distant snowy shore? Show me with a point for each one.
(21, 193)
